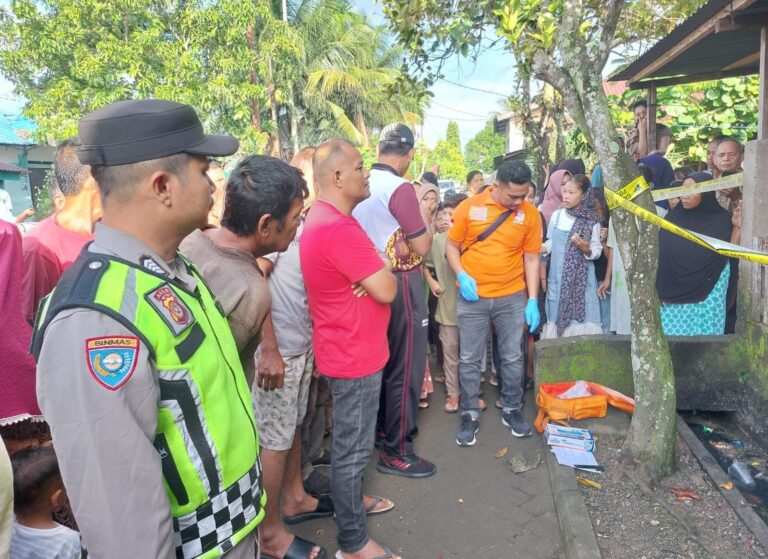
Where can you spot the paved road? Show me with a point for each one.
(474, 507)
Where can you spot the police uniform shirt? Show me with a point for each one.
(104, 438)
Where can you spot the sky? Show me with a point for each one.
(493, 73)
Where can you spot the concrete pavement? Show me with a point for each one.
(474, 507)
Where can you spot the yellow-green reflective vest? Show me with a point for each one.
(206, 434)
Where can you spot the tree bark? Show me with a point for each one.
(649, 446)
(273, 144)
(254, 78)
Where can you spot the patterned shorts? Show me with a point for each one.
(280, 412)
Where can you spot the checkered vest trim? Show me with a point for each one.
(210, 529)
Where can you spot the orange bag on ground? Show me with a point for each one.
(595, 404)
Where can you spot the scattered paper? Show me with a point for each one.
(502, 452)
(571, 458)
(580, 389)
(727, 485)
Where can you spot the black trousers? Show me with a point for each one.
(404, 372)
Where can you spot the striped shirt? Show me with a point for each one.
(44, 543)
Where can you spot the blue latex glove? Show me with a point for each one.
(467, 286)
(532, 315)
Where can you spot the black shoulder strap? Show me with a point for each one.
(488, 232)
(77, 289)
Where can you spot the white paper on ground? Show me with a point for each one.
(570, 457)
(580, 389)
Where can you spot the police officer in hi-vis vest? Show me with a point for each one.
(137, 371)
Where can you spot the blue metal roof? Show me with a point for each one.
(16, 130)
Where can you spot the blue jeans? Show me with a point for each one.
(355, 405)
(605, 314)
(507, 314)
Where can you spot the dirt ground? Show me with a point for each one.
(628, 524)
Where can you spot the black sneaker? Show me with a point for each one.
(317, 484)
(406, 466)
(323, 460)
(467, 431)
(514, 420)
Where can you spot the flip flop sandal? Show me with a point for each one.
(371, 509)
(389, 554)
(451, 405)
(438, 378)
(300, 549)
(423, 404)
(324, 508)
(483, 406)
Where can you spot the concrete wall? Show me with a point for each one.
(723, 373)
(711, 373)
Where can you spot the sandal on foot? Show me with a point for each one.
(438, 378)
(423, 404)
(300, 549)
(483, 406)
(324, 508)
(389, 554)
(371, 510)
(451, 404)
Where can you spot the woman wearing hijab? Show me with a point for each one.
(21, 422)
(663, 173)
(573, 166)
(573, 242)
(553, 195)
(692, 281)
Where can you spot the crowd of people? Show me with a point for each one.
(182, 340)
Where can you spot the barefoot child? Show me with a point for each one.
(573, 241)
(37, 492)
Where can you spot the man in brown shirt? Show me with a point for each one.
(262, 211)
(263, 206)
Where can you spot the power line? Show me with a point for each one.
(475, 88)
(459, 110)
(484, 118)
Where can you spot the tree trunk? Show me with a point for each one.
(294, 121)
(254, 78)
(650, 445)
(273, 144)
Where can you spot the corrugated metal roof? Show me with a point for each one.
(8, 168)
(17, 130)
(713, 53)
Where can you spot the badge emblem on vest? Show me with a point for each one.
(112, 359)
(520, 217)
(171, 308)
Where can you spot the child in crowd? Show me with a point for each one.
(446, 291)
(38, 491)
(573, 242)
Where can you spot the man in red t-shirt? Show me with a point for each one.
(349, 290)
(56, 242)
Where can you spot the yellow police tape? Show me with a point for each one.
(732, 181)
(638, 186)
(721, 247)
